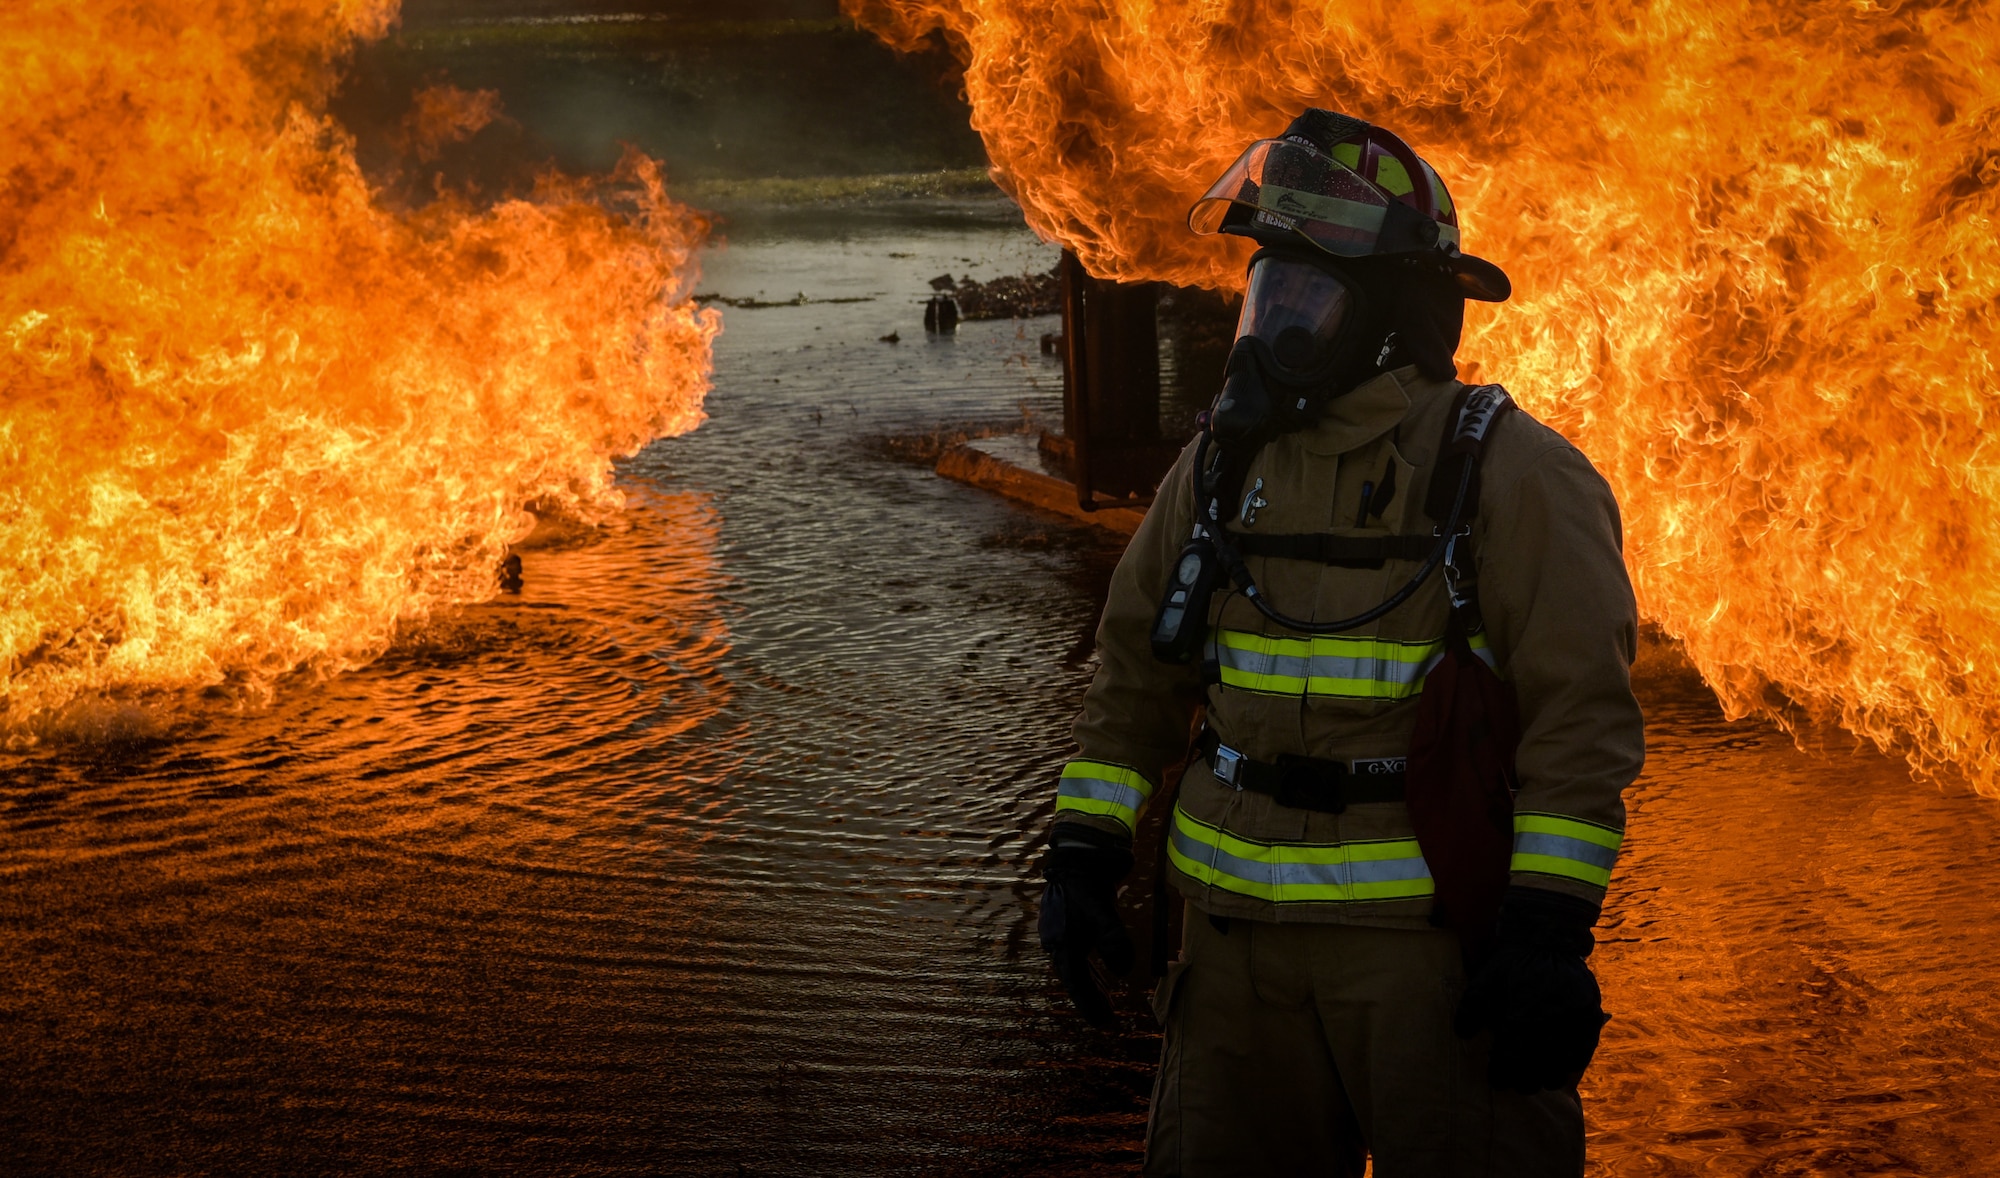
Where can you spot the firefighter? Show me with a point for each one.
(1325, 1006)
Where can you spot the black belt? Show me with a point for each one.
(1307, 783)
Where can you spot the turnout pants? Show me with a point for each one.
(1301, 1049)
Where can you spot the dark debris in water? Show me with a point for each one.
(1010, 296)
(926, 447)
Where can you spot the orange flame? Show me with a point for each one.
(251, 419)
(1753, 249)
(445, 114)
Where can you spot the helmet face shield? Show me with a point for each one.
(1290, 187)
(1295, 310)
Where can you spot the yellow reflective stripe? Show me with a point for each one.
(1328, 665)
(1481, 651)
(1100, 787)
(1126, 815)
(1550, 844)
(1528, 821)
(1558, 866)
(1298, 873)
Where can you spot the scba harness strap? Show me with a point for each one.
(1215, 553)
(1461, 775)
(1477, 410)
(1347, 552)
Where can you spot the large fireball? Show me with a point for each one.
(1754, 250)
(252, 419)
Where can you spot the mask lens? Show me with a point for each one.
(1294, 307)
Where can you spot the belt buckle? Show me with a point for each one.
(1228, 766)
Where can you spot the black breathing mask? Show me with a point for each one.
(1298, 322)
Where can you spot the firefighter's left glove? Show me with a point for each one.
(1084, 866)
(1536, 994)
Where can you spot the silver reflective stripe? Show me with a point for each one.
(1557, 846)
(1328, 666)
(1100, 790)
(1344, 874)
(1257, 662)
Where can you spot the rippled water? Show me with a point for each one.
(703, 855)
(1801, 956)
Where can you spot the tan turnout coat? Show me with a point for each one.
(1561, 627)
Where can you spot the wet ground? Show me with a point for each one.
(705, 854)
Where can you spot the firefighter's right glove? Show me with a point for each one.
(1084, 866)
(1536, 994)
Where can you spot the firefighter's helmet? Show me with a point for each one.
(1349, 189)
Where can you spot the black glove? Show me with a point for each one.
(1536, 993)
(1080, 912)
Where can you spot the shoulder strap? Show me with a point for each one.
(1478, 409)
(1474, 413)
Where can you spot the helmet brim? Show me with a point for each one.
(1480, 279)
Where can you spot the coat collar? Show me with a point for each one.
(1371, 409)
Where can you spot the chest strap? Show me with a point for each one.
(1348, 552)
(1307, 783)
